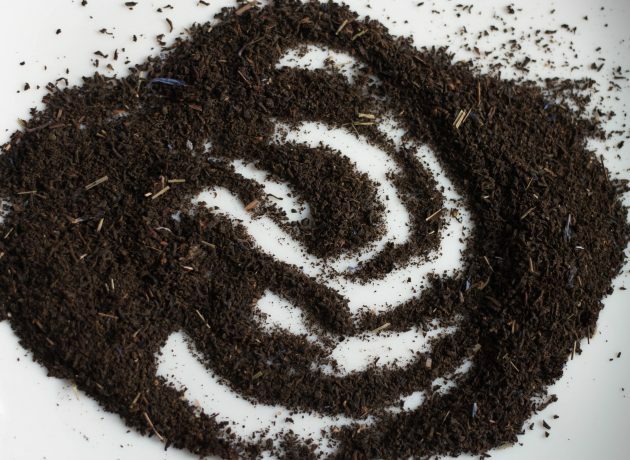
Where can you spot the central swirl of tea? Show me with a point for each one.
(351, 228)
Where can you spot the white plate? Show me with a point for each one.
(45, 418)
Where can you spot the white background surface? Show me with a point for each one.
(45, 418)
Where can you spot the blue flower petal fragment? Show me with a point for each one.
(167, 81)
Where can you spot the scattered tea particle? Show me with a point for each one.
(146, 416)
(107, 315)
(161, 192)
(546, 434)
(527, 213)
(512, 326)
(434, 215)
(341, 27)
(170, 24)
(245, 8)
(359, 34)
(546, 425)
(251, 205)
(130, 5)
(531, 266)
(58, 31)
(135, 400)
(99, 181)
(485, 258)
(380, 328)
(461, 117)
(503, 446)
(203, 318)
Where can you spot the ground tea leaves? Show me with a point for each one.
(93, 284)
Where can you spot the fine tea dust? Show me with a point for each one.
(97, 274)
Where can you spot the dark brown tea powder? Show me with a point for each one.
(93, 284)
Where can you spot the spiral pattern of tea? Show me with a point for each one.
(109, 251)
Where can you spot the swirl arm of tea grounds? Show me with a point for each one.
(517, 317)
(96, 273)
